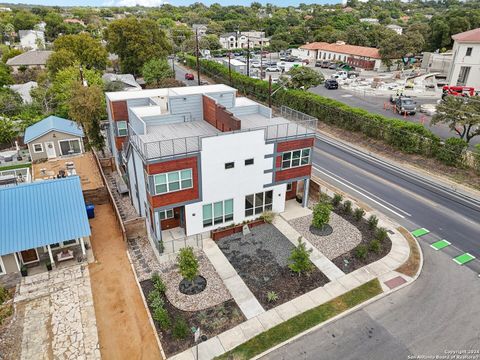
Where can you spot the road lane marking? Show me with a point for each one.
(344, 183)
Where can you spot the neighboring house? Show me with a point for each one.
(465, 67)
(359, 56)
(127, 80)
(240, 40)
(200, 28)
(236, 65)
(369, 20)
(199, 158)
(53, 137)
(30, 59)
(398, 29)
(38, 221)
(24, 90)
(32, 39)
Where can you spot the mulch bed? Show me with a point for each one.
(212, 321)
(262, 262)
(355, 263)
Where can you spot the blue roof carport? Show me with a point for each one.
(41, 213)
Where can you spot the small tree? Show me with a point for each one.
(321, 215)
(300, 258)
(156, 70)
(304, 78)
(188, 263)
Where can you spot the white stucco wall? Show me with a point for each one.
(460, 59)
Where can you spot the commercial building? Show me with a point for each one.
(199, 158)
(465, 67)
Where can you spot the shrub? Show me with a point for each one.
(300, 258)
(268, 216)
(381, 234)
(155, 299)
(358, 214)
(337, 199)
(158, 283)
(452, 153)
(3, 294)
(160, 315)
(476, 157)
(361, 252)
(372, 222)
(188, 263)
(321, 215)
(180, 328)
(375, 246)
(324, 198)
(272, 296)
(347, 207)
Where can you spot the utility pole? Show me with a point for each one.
(230, 68)
(248, 56)
(270, 91)
(198, 54)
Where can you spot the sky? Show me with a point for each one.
(159, 2)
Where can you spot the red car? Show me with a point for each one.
(189, 76)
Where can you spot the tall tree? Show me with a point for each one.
(60, 59)
(5, 76)
(135, 42)
(89, 51)
(156, 70)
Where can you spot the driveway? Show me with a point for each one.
(124, 330)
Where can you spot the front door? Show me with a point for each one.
(29, 256)
(50, 149)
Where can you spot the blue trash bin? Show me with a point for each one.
(90, 210)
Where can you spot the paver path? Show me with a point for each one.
(123, 327)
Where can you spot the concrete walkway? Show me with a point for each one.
(242, 295)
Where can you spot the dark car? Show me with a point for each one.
(325, 64)
(318, 63)
(332, 66)
(189, 76)
(331, 84)
(405, 105)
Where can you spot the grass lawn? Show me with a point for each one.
(304, 321)
(13, 167)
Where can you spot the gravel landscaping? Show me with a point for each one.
(262, 258)
(345, 236)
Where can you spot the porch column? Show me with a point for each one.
(306, 184)
(52, 261)
(15, 255)
(82, 244)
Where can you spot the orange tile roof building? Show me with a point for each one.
(465, 66)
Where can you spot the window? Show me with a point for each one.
(469, 51)
(248, 162)
(69, 242)
(122, 128)
(229, 165)
(68, 147)
(258, 203)
(166, 214)
(289, 187)
(295, 158)
(217, 213)
(463, 75)
(173, 181)
(37, 148)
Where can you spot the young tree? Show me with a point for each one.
(321, 215)
(156, 70)
(300, 258)
(303, 77)
(88, 51)
(188, 264)
(8, 131)
(461, 115)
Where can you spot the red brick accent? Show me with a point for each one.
(301, 171)
(172, 223)
(119, 110)
(176, 196)
(119, 140)
(209, 110)
(216, 115)
(295, 144)
(289, 195)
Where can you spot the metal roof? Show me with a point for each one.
(52, 123)
(41, 213)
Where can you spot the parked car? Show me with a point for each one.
(271, 63)
(291, 59)
(189, 76)
(273, 69)
(306, 61)
(204, 82)
(255, 64)
(429, 109)
(318, 63)
(332, 66)
(325, 64)
(405, 105)
(331, 84)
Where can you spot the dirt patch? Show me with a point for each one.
(261, 260)
(11, 330)
(212, 321)
(411, 266)
(124, 330)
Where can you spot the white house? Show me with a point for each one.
(240, 40)
(201, 29)
(32, 39)
(236, 65)
(398, 29)
(465, 67)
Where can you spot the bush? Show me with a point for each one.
(476, 157)
(180, 328)
(3, 294)
(158, 283)
(452, 153)
(361, 252)
(337, 199)
(300, 258)
(347, 207)
(375, 246)
(358, 214)
(321, 215)
(381, 234)
(187, 263)
(160, 315)
(268, 216)
(155, 299)
(324, 198)
(372, 222)
(272, 296)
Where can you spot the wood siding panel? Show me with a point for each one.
(209, 109)
(119, 110)
(119, 140)
(289, 195)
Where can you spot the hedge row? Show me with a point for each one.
(405, 136)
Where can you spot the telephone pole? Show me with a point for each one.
(270, 91)
(198, 54)
(248, 56)
(261, 57)
(230, 68)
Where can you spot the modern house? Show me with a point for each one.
(359, 56)
(199, 158)
(465, 66)
(30, 59)
(32, 39)
(42, 221)
(53, 137)
(240, 40)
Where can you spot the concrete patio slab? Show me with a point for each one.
(270, 318)
(251, 328)
(294, 210)
(232, 338)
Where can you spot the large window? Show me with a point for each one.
(258, 203)
(295, 158)
(173, 181)
(463, 75)
(166, 214)
(217, 213)
(122, 128)
(68, 147)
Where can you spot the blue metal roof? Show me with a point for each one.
(41, 213)
(52, 123)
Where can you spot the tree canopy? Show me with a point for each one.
(87, 50)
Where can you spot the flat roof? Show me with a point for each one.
(142, 111)
(243, 101)
(253, 121)
(178, 130)
(202, 89)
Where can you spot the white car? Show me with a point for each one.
(272, 69)
(429, 109)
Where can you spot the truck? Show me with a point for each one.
(405, 105)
